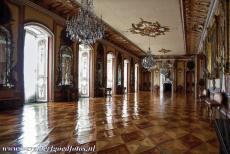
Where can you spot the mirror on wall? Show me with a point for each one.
(99, 82)
(6, 59)
(100, 66)
(132, 74)
(65, 68)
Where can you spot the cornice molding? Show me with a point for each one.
(183, 23)
(118, 48)
(39, 8)
(173, 57)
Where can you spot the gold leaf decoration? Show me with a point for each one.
(147, 28)
(164, 51)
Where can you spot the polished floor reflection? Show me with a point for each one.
(137, 123)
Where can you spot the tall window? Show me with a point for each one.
(36, 64)
(126, 75)
(162, 80)
(42, 69)
(83, 75)
(136, 77)
(109, 70)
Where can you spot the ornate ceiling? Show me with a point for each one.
(67, 8)
(123, 15)
(119, 16)
(195, 13)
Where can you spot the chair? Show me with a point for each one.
(108, 92)
(215, 103)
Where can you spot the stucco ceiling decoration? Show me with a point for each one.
(164, 51)
(147, 28)
(120, 14)
(195, 15)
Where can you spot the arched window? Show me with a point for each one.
(110, 73)
(136, 77)
(83, 74)
(38, 78)
(126, 62)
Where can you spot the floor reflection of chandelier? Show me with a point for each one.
(148, 61)
(84, 26)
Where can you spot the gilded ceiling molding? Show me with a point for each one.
(147, 28)
(211, 13)
(195, 15)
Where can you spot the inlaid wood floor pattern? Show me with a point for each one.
(137, 123)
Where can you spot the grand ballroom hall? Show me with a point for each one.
(115, 76)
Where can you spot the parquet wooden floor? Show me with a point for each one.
(138, 123)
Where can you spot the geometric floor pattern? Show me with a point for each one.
(136, 123)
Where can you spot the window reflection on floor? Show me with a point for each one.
(35, 124)
(84, 123)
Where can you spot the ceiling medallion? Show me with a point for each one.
(147, 28)
(164, 51)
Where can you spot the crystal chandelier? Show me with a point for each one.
(148, 61)
(165, 68)
(165, 72)
(85, 26)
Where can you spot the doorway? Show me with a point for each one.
(126, 76)
(83, 70)
(37, 70)
(162, 80)
(110, 71)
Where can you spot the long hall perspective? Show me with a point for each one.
(115, 77)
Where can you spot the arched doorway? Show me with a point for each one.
(110, 71)
(165, 80)
(38, 60)
(84, 70)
